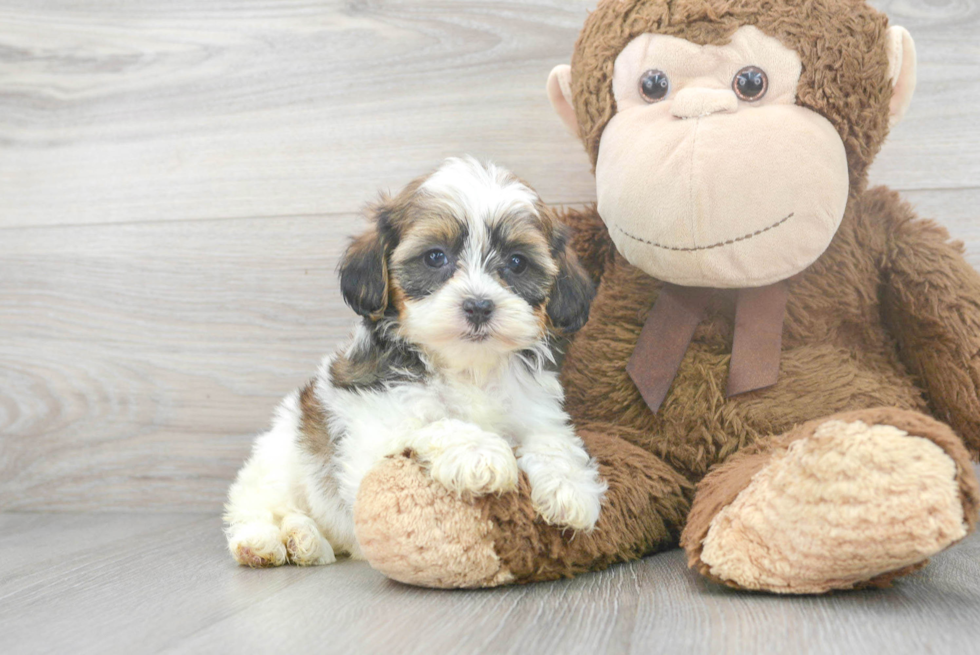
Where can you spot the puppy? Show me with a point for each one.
(463, 281)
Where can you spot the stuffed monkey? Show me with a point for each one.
(781, 368)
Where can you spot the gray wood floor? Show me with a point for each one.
(146, 583)
(178, 178)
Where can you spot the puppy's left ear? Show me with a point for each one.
(364, 268)
(571, 296)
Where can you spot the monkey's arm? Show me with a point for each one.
(931, 305)
(413, 530)
(590, 239)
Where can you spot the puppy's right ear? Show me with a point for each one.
(364, 268)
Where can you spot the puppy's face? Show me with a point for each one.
(471, 262)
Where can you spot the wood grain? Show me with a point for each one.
(187, 110)
(138, 361)
(178, 110)
(165, 583)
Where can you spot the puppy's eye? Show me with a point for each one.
(435, 258)
(517, 264)
(750, 83)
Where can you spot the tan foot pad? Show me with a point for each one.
(847, 504)
(415, 531)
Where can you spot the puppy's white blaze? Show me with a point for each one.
(477, 250)
(478, 193)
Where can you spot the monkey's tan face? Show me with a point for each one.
(710, 174)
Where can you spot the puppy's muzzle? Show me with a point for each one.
(478, 310)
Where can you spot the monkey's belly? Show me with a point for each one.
(698, 426)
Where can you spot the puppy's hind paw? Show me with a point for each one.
(305, 545)
(256, 545)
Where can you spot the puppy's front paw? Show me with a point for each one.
(468, 460)
(569, 497)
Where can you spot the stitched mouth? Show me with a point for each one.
(744, 237)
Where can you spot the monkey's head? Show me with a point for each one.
(727, 135)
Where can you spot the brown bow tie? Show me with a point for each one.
(670, 327)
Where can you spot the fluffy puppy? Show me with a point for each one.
(462, 282)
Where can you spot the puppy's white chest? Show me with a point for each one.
(488, 407)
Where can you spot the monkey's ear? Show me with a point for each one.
(364, 274)
(571, 297)
(560, 95)
(901, 72)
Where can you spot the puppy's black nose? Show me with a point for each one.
(478, 310)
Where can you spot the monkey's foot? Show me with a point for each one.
(856, 499)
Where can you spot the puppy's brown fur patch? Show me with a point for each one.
(385, 361)
(313, 432)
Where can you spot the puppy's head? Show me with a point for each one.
(470, 263)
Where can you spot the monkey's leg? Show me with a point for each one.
(415, 531)
(850, 500)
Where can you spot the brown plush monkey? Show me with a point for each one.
(781, 368)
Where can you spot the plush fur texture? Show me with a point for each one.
(464, 558)
(893, 497)
(882, 330)
(462, 281)
(909, 499)
(410, 530)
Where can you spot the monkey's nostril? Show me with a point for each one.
(478, 310)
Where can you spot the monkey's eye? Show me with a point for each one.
(435, 258)
(654, 85)
(517, 264)
(750, 83)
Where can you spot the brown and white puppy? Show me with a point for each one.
(462, 282)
